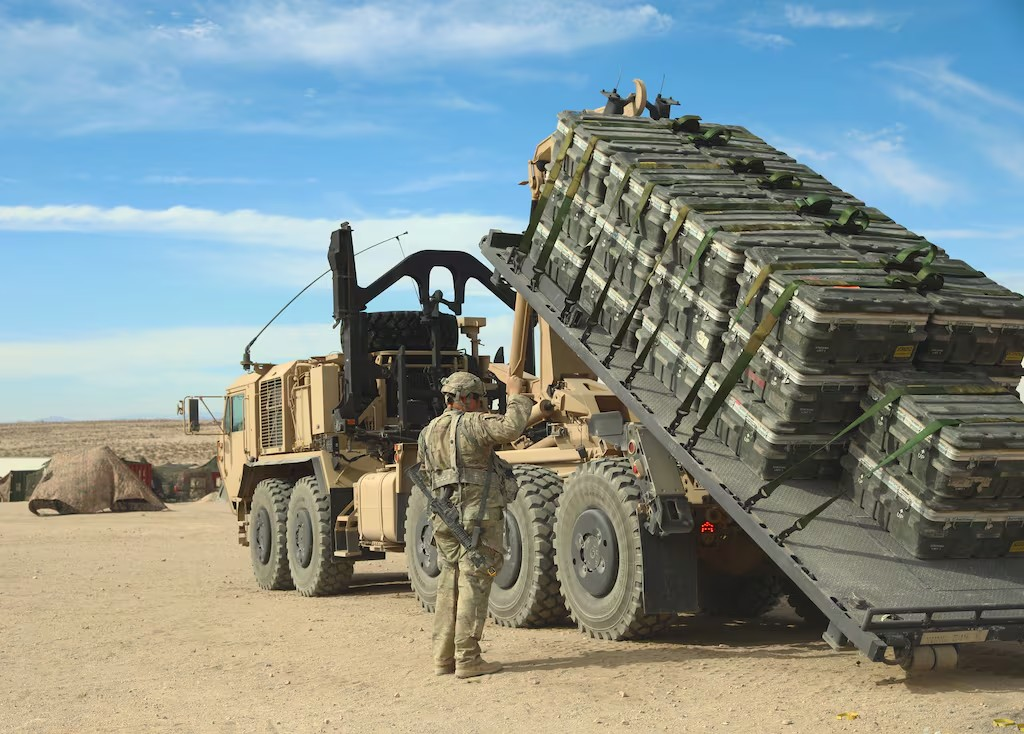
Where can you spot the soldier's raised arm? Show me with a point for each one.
(502, 429)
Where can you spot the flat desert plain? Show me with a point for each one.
(157, 441)
(144, 622)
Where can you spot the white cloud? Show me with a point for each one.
(292, 249)
(435, 182)
(71, 74)
(937, 75)
(758, 40)
(805, 16)
(883, 156)
(986, 119)
(176, 180)
(975, 233)
(245, 226)
(410, 32)
(803, 152)
(151, 369)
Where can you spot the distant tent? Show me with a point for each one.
(94, 480)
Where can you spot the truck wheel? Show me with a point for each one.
(744, 597)
(421, 552)
(387, 330)
(598, 555)
(525, 592)
(268, 547)
(314, 568)
(806, 609)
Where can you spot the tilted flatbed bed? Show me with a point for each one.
(875, 595)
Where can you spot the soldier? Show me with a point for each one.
(456, 450)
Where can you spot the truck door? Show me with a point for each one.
(237, 443)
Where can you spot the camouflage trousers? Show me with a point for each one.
(462, 592)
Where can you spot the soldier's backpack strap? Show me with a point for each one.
(477, 527)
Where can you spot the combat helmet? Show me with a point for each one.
(459, 385)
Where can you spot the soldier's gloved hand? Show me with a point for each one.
(514, 386)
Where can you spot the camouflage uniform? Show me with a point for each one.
(463, 589)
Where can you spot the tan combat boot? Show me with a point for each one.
(475, 668)
(446, 668)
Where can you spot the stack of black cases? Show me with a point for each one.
(694, 235)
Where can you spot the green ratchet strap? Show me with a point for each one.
(638, 214)
(765, 272)
(563, 210)
(686, 124)
(592, 320)
(641, 358)
(920, 436)
(852, 220)
(749, 350)
(909, 255)
(594, 316)
(684, 407)
(620, 335)
(889, 398)
(712, 136)
(747, 165)
(555, 168)
(757, 339)
(818, 204)
(572, 296)
(781, 180)
(930, 429)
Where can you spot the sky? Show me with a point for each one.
(170, 173)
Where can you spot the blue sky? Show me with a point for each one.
(170, 173)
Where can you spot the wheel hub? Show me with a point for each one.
(510, 569)
(424, 547)
(261, 535)
(595, 552)
(303, 537)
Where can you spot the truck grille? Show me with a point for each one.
(271, 419)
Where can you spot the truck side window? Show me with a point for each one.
(237, 413)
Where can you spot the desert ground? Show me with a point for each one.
(156, 441)
(151, 622)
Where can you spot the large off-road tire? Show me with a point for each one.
(268, 545)
(742, 597)
(387, 330)
(314, 568)
(420, 551)
(525, 592)
(805, 608)
(598, 554)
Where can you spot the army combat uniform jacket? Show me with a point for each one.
(457, 451)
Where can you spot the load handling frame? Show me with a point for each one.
(875, 595)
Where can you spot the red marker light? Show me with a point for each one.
(707, 527)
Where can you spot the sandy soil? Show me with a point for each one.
(151, 622)
(159, 442)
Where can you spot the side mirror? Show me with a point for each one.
(192, 415)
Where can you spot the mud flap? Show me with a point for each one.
(670, 573)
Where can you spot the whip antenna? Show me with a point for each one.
(246, 360)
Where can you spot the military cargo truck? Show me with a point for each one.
(714, 323)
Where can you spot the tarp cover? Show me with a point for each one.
(94, 480)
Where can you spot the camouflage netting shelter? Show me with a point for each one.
(95, 480)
